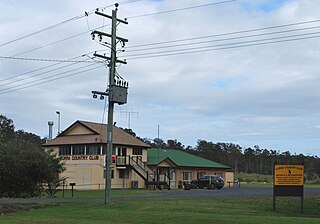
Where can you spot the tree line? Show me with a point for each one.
(247, 160)
(26, 170)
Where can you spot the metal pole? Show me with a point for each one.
(110, 109)
(58, 112)
(158, 168)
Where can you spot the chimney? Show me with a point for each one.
(50, 123)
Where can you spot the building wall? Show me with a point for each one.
(87, 171)
(186, 174)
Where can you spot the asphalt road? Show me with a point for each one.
(193, 193)
(222, 193)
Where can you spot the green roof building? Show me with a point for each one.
(182, 167)
(180, 159)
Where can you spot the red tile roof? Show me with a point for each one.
(120, 137)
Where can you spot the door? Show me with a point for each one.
(172, 178)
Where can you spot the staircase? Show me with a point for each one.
(150, 177)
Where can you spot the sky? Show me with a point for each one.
(238, 71)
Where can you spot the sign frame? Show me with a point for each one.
(288, 180)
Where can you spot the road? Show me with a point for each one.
(193, 193)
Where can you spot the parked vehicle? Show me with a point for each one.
(209, 181)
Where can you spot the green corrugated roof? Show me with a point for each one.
(180, 158)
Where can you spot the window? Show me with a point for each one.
(78, 150)
(137, 152)
(93, 149)
(65, 150)
(186, 176)
(123, 174)
(104, 149)
(121, 151)
(200, 174)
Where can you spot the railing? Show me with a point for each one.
(138, 166)
(122, 161)
(142, 170)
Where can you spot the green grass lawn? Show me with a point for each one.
(100, 193)
(167, 211)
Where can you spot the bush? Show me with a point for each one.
(24, 168)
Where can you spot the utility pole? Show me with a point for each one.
(117, 90)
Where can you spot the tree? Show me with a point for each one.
(6, 129)
(24, 166)
(174, 144)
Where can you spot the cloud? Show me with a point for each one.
(263, 95)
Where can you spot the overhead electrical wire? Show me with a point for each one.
(182, 40)
(218, 40)
(182, 9)
(221, 47)
(218, 47)
(177, 51)
(43, 81)
(15, 80)
(70, 61)
(102, 8)
(63, 22)
(45, 60)
(39, 69)
(228, 33)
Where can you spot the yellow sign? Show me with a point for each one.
(289, 175)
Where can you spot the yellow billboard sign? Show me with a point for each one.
(288, 175)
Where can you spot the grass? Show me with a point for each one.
(254, 177)
(167, 211)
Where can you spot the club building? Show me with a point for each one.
(82, 147)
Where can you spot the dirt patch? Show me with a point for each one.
(12, 208)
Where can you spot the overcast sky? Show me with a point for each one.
(244, 71)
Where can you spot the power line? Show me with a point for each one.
(46, 60)
(55, 42)
(202, 37)
(35, 70)
(220, 45)
(224, 39)
(154, 55)
(40, 74)
(229, 33)
(54, 75)
(43, 30)
(182, 9)
(177, 50)
(63, 22)
(50, 80)
(90, 12)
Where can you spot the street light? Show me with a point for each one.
(59, 119)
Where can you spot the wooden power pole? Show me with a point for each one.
(116, 91)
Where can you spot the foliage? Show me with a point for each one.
(6, 129)
(24, 166)
(52, 187)
(248, 160)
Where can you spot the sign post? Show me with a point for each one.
(288, 181)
